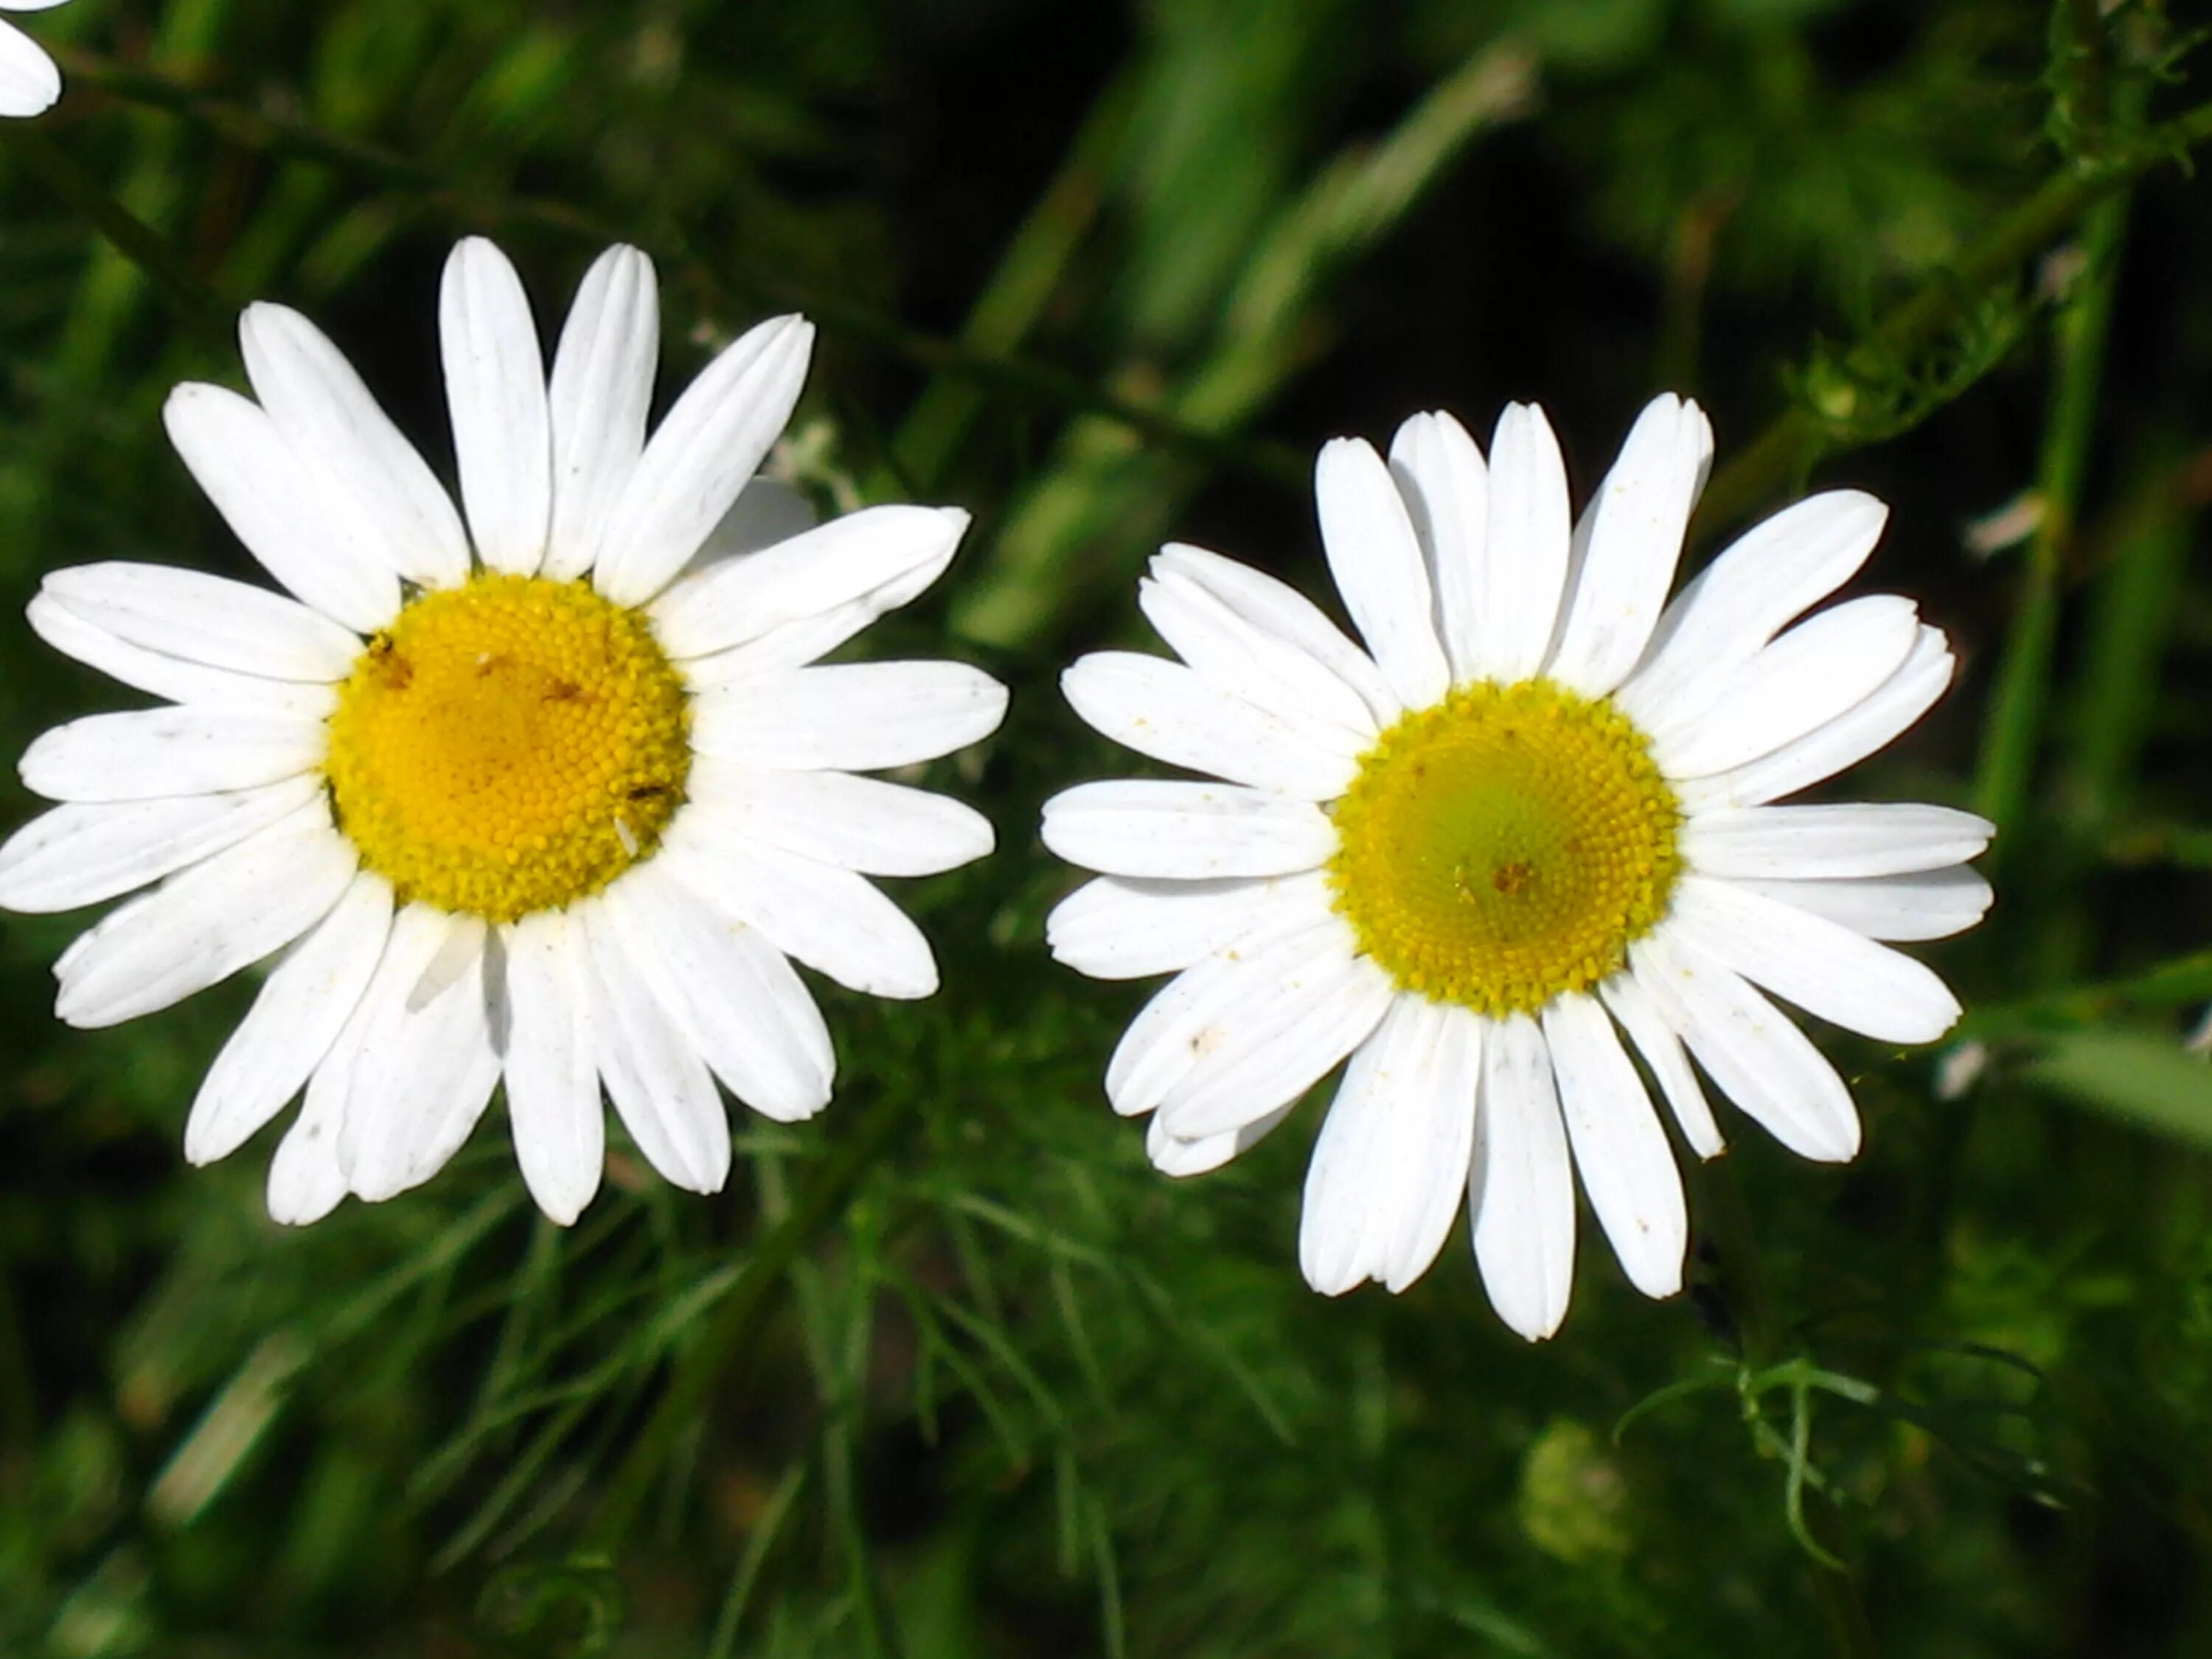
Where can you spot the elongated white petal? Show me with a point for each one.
(1174, 1156)
(29, 82)
(551, 1063)
(427, 1069)
(693, 465)
(728, 987)
(206, 619)
(1779, 568)
(1280, 610)
(1376, 561)
(1873, 839)
(1524, 565)
(495, 389)
(375, 480)
(1273, 1035)
(1391, 1164)
(80, 854)
(847, 559)
(306, 1180)
(292, 1023)
(833, 920)
(207, 923)
(1248, 662)
(1925, 904)
(1175, 714)
(601, 393)
(172, 677)
(659, 1084)
(1625, 998)
(849, 717)
(1119, 928)
(1753, 1050)
(272, 502)
(1825, 968)
(185, 751)
(1850, 738)
(1441, 474)
(1190, 831)
(1626, 1166)
(859, 824)
(1521, 1189)
(1815, 672)
(1630, 543)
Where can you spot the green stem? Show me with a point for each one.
(741, 1311)
(129, 235)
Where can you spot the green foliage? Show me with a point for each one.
(951, 1371)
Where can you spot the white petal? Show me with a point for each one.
(1927, 904)
(1777, 570)
(206, 619)
(727, 989)
(377, 483)
(1246, 660)
(1850, 738)
(299, 531)
(495, 389)
(1626, 1166)
(1624, 996)
(1182, 1023)
(292, 1023)
(551, 1068)
(833, 920)
(1630, 543)
(1831, 842)
(1520, 1190)
(1825, 968)
(859, 824)
(209, 923)
(172, 677)
(1524, 566)
(1817, 670)
(1113, 928)
(849, 717)
(1175, 714)
(29, 82)
(709, 443)
(306, 1180)
(186, 751)
(1753, 1050)
(427, 1069)
(848, 559)
(659, 1084)
(1277, 609)
(1186, 831)
(1171, 1155)
(601, 393)
(1446, 490)
(1376, 561)
(1278, 1026)
(80, 854)
(1391, 1163)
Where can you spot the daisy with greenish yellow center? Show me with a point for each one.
(546, 792)
(1535, 814)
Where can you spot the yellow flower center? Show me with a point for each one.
(507, 746)
(1504, 846)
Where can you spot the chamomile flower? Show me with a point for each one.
(546, 791)
(1535, 814)
(29, 82)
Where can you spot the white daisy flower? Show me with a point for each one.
(545, 791)
(1535, 813)
(29, 82)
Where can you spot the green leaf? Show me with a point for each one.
(2143, 1077)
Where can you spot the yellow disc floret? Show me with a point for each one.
(1504, 846)
(507, 746)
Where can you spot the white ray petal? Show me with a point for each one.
(185, 751)
(1830, 842)
(1186, 831)
(1626, 999)
(597, 405)
(1520, 1188)
(1626, 1166)
(859, 824)
(81, 854)
(172, 677)
(30, 84)
(849, 717)
(1524, 565)
(206, 619)
(1119, 928)
(1173, 1155)
(1923, 905)
(1376, 561)
(1279, 609)
(495, 391)
(1248, 662)
(551, 1063)
(1441, 474)
(1175, 714)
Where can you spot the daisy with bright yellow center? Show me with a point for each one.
(546, 792)
(1535, 814)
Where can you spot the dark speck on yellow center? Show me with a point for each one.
(1505, 846)
(507, 746)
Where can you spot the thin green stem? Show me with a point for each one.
(129, 235)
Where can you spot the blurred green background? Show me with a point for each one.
(950, 1372)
